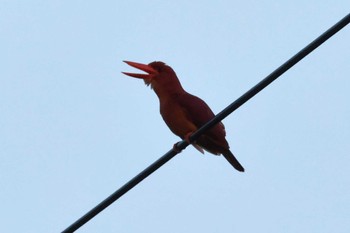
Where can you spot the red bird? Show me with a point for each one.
(182, 112)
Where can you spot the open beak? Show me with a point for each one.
(146, 68)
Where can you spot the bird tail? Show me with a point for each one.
(232, 160)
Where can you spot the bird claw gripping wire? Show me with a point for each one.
(176, 147)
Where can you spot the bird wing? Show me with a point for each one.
(199, 113)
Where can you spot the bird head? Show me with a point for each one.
(160, 76)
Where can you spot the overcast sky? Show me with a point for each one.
(73, 129)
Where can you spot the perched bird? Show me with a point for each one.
(182, 112)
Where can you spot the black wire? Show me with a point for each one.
(272, 77)
(219, 117)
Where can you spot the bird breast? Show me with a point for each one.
(176, 118)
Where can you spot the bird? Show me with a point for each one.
(183, 112)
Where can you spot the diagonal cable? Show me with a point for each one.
(219, 117)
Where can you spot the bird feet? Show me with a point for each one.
(187, 138)
(176, 148)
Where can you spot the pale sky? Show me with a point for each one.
(73, 129)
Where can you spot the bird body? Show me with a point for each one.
(176, 116)
(184, 113)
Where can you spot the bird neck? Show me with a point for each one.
(167, 91)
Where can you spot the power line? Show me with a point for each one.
(219, 117)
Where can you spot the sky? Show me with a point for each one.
(73, 129)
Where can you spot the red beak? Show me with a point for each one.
(148, 69)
